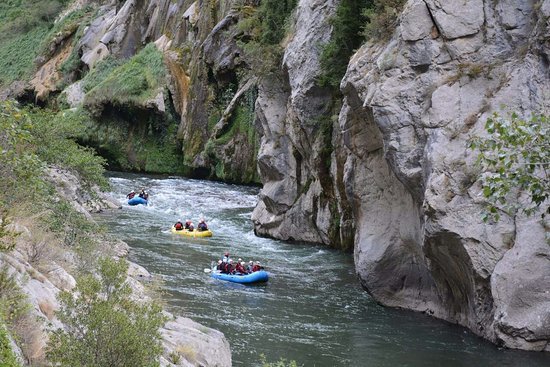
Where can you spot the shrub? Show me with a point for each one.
(382, 17)
(346, 36)
(516, 157)
(7, 357)
(263, 29)
(135, 81)
(103, 326)
(20, 168)
(282, 362)
(23, 26)
(56, 144)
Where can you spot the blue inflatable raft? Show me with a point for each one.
(136, 200)
(256, 277)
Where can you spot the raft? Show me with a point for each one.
(195, 233)
(136, 200)
(256, 277)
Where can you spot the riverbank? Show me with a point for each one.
(312, 310)
(42, 268)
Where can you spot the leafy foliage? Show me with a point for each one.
(56, 134)
(273, 16)
(382, 18)
(516, 159)
(13, 302)
(24, 24)
(20, 166)
(104, 327)
(14, 314)
(263, 28)
(29, 139)
(282, 362)
(347, 24)
(7, 357)
(134, 81)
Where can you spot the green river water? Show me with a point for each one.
(312, 310)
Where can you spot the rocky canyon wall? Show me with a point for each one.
(384, 170)
(401, 164)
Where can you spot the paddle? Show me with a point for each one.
(206, 270)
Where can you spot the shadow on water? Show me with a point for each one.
(312, 310)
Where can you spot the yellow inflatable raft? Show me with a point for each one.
(195, 233)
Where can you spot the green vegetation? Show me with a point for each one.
(23, 26)
(282, 362)
(516, 158)
(30, 140)
(263, 28)
(347, 25)
(7, 357)
(104, 327)
(13, 309)
(100, 72)
(20, 16)
(17, 55)
(354, 21)
(240, 127)
(133, 82)
(56, 134)
(382, 18)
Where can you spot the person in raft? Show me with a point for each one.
(257, 267)
(239, 268)
(202, 225)
(143, 194)
(229, 268)
(225, 257)
(187, 224)
(178, 226)
(131, 194)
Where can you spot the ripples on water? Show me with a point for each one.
(312, 309)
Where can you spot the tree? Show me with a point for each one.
(103, 326)
(516, 158)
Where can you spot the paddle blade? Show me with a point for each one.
(206, 270)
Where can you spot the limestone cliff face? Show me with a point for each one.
(299, 200)
(400, 153)
(206, 92)
(391, 177)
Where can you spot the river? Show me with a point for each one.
(312, 310)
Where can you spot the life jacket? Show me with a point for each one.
(131, 195)
(256, 267)
(202, 226)
(178, 226)
(187, 224)
(240, 269)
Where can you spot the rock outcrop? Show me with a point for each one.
(401, 154)
(43, 269)
(198, 41)
(385, 172)
(298, 199)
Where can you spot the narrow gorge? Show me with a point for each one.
(377, 164)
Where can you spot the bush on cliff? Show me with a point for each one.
(346, 36)
(355, 21)
(515, 157)
(7, 357)
(24, 24)
(133, 82)
(263, 28)
(103, 326)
